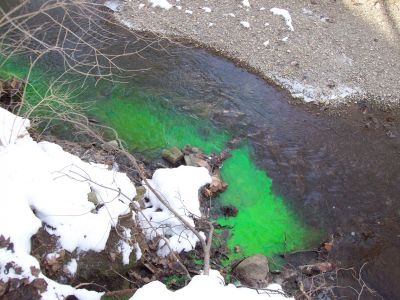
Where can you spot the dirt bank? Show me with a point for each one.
(337, 51)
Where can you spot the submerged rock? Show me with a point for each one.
(253, 271)
(110, 146)
(173, 155)
(194, 160)
(229, 211)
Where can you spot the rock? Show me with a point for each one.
(110, 146)
(253, 271)
(195, 161)
(92, 197)
(217, 184)
(173, 155)
(320, 267)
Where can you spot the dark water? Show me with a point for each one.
(338, 168)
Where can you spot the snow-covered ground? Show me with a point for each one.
(42, 184)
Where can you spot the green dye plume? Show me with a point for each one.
(264, 223)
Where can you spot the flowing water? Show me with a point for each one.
(300, 171)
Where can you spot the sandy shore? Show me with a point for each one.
(338, 51)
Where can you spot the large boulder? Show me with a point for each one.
(253, 271)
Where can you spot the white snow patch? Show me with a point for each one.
(72, 266)
(179, 7)
(285, 14)
(161, 3)
(112, 4)
(141, 5)
(246, 3)
(285, 39)
(306, 11)
(179, 187)
(245, 24)
(127, 23)
(266, 43)
(262, 8)
(209, 287)
(211, 24)
(311, 93)
(189, 12)
(206, 9)
(125, 248)
(138, 251)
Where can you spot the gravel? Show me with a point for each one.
(338, 51)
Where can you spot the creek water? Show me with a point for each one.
(300, 172)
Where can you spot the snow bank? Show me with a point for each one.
(42, 184)
(179, 187)
(207, 287)
(285, 14)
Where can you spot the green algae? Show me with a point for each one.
(264, 223)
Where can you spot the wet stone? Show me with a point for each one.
(253, 271)
(173, 155)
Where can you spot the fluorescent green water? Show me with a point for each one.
(145, 123)
(264, 224)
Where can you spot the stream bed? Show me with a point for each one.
(298, 173)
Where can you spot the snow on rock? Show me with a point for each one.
(245, 24)
(72, 266)
(42, 184)
(209, 287)
(161, 3)
(189, 12)
(206, 9)
(179, 187)
(230, 15)
(138, 251)
(126, 248)
(285, 14)
(26, 264)
(246, 3)
(112, 4)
